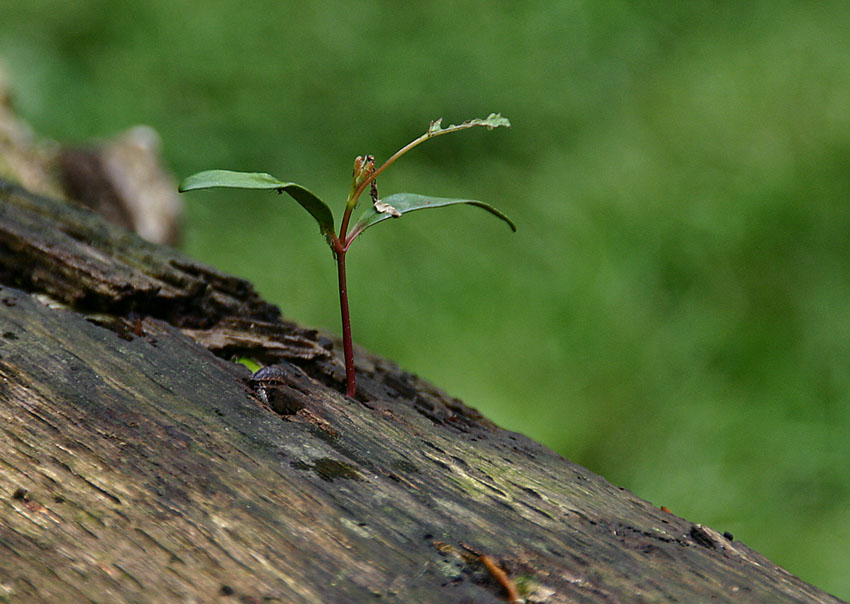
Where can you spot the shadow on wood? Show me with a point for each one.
(138, 463)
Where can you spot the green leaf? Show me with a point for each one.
(403, 203)
(227, 178)
(494, 120)
(260, 180)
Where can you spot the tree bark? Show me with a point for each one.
(138, 463)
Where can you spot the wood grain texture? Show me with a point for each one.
(138, 464)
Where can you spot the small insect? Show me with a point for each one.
(269, 373)
(265, 379)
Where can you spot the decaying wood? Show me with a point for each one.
(124, 181)
(122, 178)
(139, 464)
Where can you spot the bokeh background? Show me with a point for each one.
(674, 312)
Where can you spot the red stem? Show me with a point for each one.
(343, 228)
(348, 349)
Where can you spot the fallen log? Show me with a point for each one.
(138, 462)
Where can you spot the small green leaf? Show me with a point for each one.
(228, 178)
(209, 179)
(494, 120)
(250, 363)
(410, 202)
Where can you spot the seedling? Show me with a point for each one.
(364, 177)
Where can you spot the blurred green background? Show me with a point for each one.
(674, 312)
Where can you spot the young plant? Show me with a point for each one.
(363, 177)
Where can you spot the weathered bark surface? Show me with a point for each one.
(138, 464)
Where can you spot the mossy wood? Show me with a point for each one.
(137, 463)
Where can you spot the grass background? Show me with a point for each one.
(674, 312)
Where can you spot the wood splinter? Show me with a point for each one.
(503, 579)
(500, 575)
